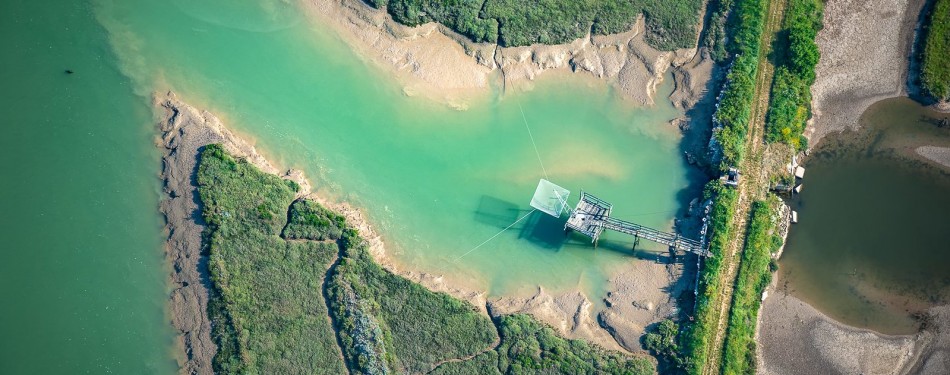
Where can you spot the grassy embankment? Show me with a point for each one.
(268, 256)
(727, 317)
(744, 23)
(670, 25)
(790, 108)
(755, 273)
(935, 68)
(697, 336)
(735, 103)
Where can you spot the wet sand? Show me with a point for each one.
(794, 338)
(434, 62)
(865, 49)
(939, 155)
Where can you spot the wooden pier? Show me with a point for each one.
(592, 216)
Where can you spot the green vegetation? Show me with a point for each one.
(935, 69)
(754, 276)
(735, 103)
(670, 25)
(663, 342)
(697, 336)
(310, 221)
(485, 363)
(790, 105)
(715, 39)
(419, 328)
(268, 313)
(530, 347)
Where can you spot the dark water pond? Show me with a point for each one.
(872, 248)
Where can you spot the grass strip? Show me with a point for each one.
(935, 69)
(755, 273)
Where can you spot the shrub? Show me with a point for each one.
(530, 347)
(696, 337)
(419, 327)
(935, 68)
(735, 103)
(663, 343)
(790, 106)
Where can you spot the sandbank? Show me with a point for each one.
(865, 49)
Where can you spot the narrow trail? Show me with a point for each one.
(494, 346)
(753, 184)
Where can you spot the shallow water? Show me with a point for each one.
(83, 277)
(871, 248)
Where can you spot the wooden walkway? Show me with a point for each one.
(592, 216)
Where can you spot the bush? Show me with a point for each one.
(716, 37)
(935, 68)
(663, 342)
(310, 221)
(735, 103)
(420, 327)
(790, 106)
(459, 15)
(530, 347)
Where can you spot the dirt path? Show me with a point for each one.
(752, 186)
(494, 346)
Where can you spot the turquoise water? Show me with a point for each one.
(435, 181)
(82, 268)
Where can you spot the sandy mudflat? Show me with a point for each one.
(432, 61)
(794, 338)
(939, 155)
(865, 47)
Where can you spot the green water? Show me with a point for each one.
(871, 248)
(82, 270)
(82, 274)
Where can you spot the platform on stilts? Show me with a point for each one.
(591, 217)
